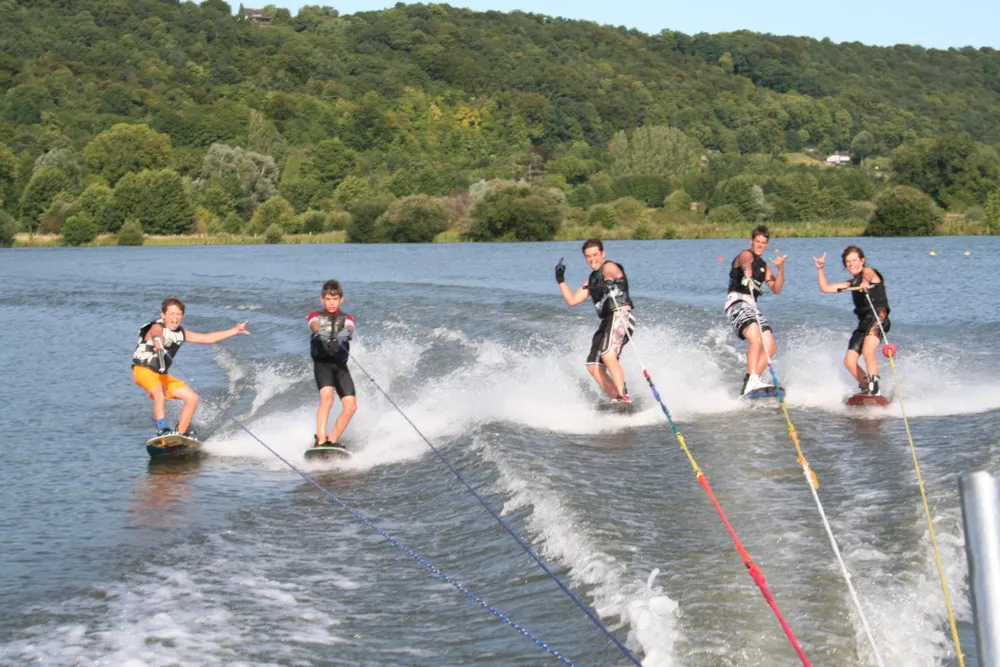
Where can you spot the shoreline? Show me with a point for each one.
(695, 231)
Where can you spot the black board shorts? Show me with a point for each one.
(615, 331)
(868, 327)
(742, 314)
(334, 374)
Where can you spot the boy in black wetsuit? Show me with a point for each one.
(747, 275)
(330, 347)
(607, 286)
(866, 282)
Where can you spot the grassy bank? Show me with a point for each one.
(695, 228)
(54, 240)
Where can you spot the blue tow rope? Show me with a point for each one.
(410, 552)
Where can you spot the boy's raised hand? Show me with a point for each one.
(241, 327)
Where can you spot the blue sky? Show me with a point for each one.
(881, 22)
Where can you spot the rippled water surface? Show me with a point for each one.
(235, 559)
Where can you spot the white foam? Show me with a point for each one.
(616, 594)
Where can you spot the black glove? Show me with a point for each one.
(560, 271)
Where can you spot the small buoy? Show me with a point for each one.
(722, 259)
(933, 254)
(889, 350)
(967, 253)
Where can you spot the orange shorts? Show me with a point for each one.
(149, 379)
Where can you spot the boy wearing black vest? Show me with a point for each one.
(871, 306)
(330, 347)
(607, 287)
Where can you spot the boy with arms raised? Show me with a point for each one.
(747, 275)
(330, 347)
(155, 350)
(865, 283)
(607, 287)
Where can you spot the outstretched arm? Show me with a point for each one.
(824, 286)
(215, 336)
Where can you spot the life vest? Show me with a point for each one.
(147, 357)
(602, 290)
(876, 291)
(323, 346)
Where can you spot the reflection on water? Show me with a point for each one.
(161, 495)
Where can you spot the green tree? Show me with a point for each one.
(992, 209)
(131, 234)
(726, 215)
(655, 151)
(351, 191)
(903, 211)
(364, 216)
(518, 213)
(862, 146)
(37, 197)
(159, 200)
(414, 219)
(275, 211)
(78, 230)
(127, 148)
(650, 190)
(8, 229)
(603, 215)
(94, 201)
(273, 234)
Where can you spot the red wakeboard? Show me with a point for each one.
(867, 400)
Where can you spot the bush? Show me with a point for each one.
(903, 211)
(519, 213)
(273, 234)
(94, 200)
(8, 229)
(728, 214)
(677, 201)
(414, 219)
(650, 190)
(364, 214)
(312, 222)
(79, 229)
(159, 200)
(603, 215)
(232, 224)
(642, 232)
(582, 196)
(629, 208)
(337, 220)
(131, 234)
(275, 211)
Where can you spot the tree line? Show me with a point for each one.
(427, 120)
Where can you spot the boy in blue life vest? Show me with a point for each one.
(330, 346)
(155, 350)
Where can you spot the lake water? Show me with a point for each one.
(234, 559)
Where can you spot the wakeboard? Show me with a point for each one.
(867, 401)
(172, 445)
(326, 452)
(616, 407)
(763, 393)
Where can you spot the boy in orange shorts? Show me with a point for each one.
(150, 363)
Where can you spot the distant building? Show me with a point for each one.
(840, 157)
(809, 148)
(257, 16)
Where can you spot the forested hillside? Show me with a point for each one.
(404, 123)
